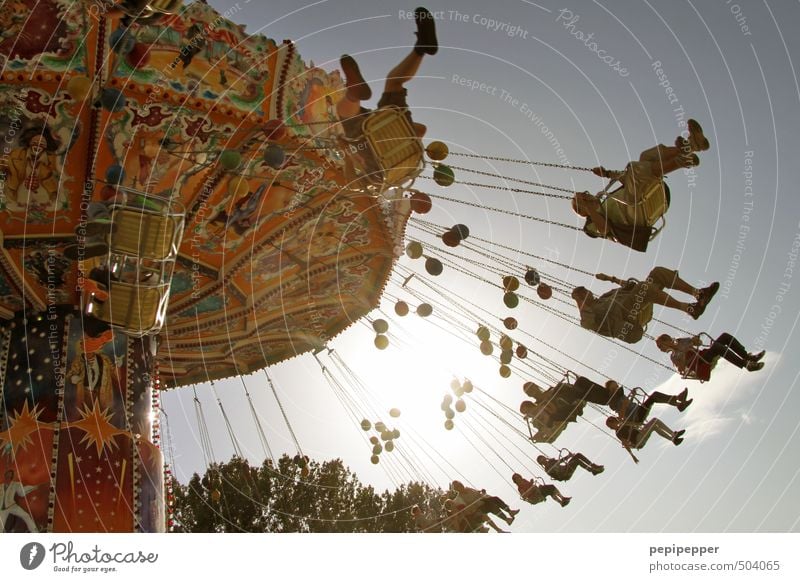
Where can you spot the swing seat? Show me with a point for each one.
(394, 152)
(643, 218)
(548, 429)
(138, 310)
(691, 372)
(149, 227)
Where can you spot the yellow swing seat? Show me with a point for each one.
(151, 231)
(393, 147)
(138, 310)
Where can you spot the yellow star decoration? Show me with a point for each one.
(95, 423)
(20, 428)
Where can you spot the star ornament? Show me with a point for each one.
(98, 431)
(21, 426)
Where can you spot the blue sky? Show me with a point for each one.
(737, 220)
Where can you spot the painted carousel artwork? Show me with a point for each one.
(174, 209)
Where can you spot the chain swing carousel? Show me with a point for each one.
(178, 207)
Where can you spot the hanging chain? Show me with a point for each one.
(508, 189)
(514, 161)
(518, 180)
(509, 212)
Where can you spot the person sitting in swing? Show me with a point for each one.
(563, 468)
(474, 500)
(692, 361)
(617, 217)
(635, 435)
(623, 313)
(349, 108)
(534, 493)
(613, 395)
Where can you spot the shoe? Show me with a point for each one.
(691, 161)
(756, 357)
(753, 366)
(597, 469)
(513, 512)
(696, 310)
(510, 520)
(707, 293)
(76, 252)
(684, 405)
(353, 79)
(565, 501)
(697, 140)
(677, 440)
(682, 396)
(426, 32)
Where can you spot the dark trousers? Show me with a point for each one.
(728, 347)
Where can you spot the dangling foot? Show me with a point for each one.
(426, 32)
(677, 438)
(756, 357)
(706, 294)
(596, 469)
(565, 501)
(684, 405)
(696, 310)
(691, 161)
(513, 512)
(753, 366)
(357, 88)
(683, 395)
(697, 140)
(704, 297)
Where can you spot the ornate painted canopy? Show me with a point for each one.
(279, 254)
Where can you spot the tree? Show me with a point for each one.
(294, 496)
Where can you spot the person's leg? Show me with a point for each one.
(584, 462)
(732, 344)
(663, 430)
(403, 72)
(23, 515)
(494, 505)
(551, 491)
(662, 278)
(720, 350)
(666, 159)
(357, 91)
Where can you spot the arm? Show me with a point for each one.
(613, 175)
(591, 206)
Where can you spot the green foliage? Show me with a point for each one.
(326, 497)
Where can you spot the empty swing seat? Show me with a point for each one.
(137, 309)
(145, 232)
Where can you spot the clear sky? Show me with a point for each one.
(737, 221)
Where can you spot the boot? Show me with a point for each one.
(426, 32)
